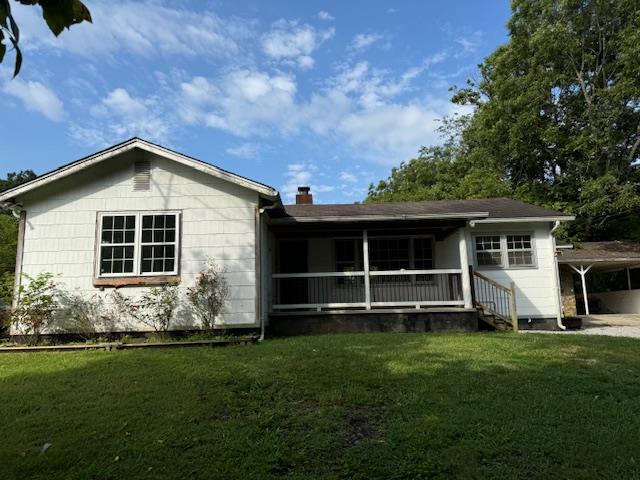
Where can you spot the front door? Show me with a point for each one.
(293, 258)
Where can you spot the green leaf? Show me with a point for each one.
(62, 14)
(18, 64)
(14, 29)
(3, 49)
(5, 9)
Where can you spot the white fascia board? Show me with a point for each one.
(146, 146)
(375, 218)
(565, 218)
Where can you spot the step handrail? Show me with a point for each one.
(510, 292)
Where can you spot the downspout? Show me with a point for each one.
(557, 278)
(260, 249)
(21, 214)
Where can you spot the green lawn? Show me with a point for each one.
(345, 406)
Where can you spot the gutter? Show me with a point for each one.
(564, 218)
(374, 218)
(260, 249)
(556, 278)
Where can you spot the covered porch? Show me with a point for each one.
(369, 266)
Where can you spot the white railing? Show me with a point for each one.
(392, 288)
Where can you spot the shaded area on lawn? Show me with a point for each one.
(342, 406)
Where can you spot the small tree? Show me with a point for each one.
(88, 316)
(36, 306)
(209, 294)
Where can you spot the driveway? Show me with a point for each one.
(614, 324)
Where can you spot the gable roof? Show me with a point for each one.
(141, 144)
(482, 210)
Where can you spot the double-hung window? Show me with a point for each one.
(504, 251)
(138, 244)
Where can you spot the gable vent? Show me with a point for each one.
(142, 176)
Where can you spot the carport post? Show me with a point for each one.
(583, 271)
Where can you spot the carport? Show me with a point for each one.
(610, 256)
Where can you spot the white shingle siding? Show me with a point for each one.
(218, 220)
(535, 286)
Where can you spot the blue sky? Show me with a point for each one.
(326, 93)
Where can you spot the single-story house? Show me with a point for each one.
(137, 214)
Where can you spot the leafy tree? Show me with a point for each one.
(557, 116)
(16, 178)
(59, 14)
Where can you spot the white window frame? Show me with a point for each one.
(137, 246)
(504, 251)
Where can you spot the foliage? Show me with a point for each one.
(59, 14)
(88, 316)
(155, 308)
(365, 406)
(556, 120)
(16, 178)
(8, 242)
(37, 303)
(6, 288)
(209, 294)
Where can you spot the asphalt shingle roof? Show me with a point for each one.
(495, 207)
(600, 251)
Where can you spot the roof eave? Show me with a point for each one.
(378, 218)
(98, 157)
(559, 218)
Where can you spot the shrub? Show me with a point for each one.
(209, 294)
(155, 308)
(87, 316)
(36, 306)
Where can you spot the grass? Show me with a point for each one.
(345, 406)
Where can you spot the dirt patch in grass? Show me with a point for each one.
(364, 424)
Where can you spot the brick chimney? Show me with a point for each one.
(303, 197)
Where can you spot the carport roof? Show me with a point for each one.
(614, 252)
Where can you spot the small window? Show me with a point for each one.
(133, 244)
(504, 251)
(488, 251)
(519, 251)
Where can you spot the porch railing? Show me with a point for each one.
(495, 299)
(398, 288)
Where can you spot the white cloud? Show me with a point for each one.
(144, 28)
(36, 97)
(364, 40)
(375, 114)
(323, 15)
(245, 150)
(347, 177)
(120, 115)
(303, 174)
(243, 102)
(288, 42)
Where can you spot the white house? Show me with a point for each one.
(138, 214)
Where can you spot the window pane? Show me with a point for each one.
(389, 253)
(107, 236)
(158, 221)
(107, 223)
(489, 259)
(520, 258)
(146, 266)
(422, 254)
(118, 222)
(131, 222)
(129, 236)
(158, 236)
(147, 221)
(147, 236)
(491, 242)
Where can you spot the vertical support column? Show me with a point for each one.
(583, 271)
(628, 278)
(513, 307)
(19, 255)
(464, 269)
(365, 261)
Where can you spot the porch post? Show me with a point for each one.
(628, 279)
(365, 261)
(464, 269)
